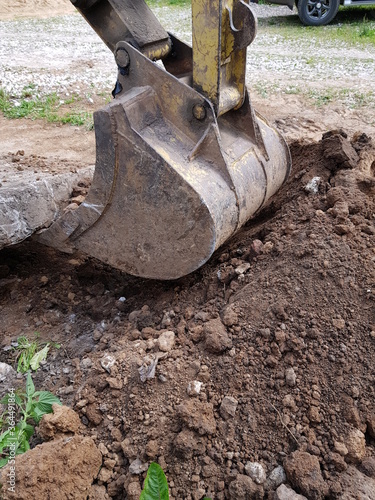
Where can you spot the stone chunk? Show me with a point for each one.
(285, 493)
(276, 478)
(303, 473)
(290, 377)
(194, 388)
(137, 467)
(33, 201)
(256, 471)
(228, 407)
(217, 339)
(166, 341)
(6, 371)
(244, 488)
(356, 445)
(339, 151)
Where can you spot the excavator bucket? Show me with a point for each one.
(182, 159)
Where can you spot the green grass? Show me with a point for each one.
(352, 26)
(167, 3)
(353, 99)
(49, 107)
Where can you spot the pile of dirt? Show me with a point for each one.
(247, 378)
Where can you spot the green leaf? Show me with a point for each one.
(4, 440)
(18, 400)
(36, 414)
(4, 400)
(41, 409)
(24, 445)
(38, 357)
(47, 397)
(29, 431)
(156, 485)
(43, 404)
(3, 462)
(30, 387)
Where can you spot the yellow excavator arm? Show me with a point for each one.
(182, 159)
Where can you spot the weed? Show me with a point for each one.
(156, 484)
(31, 352)
(321, 97)
(367, 30)
(48, 107)
(22, 408)
(261, 90)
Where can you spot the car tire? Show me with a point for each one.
(317, 12)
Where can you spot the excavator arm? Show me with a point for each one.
(182, 159)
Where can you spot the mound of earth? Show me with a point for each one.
(250, 378)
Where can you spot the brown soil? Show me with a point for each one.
(290, 339)
(279, 328)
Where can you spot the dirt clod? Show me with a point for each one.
(61, 468)
(303, 472)
(62, 422)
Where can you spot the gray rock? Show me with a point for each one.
(194, 388)
(86, 363)
(107, 362)
(31, 201)
(290, 377)
(228, 407)
(284, 493)
(6, 372)
(137, 467)
(256, 471)
(166, 341)
(276, 478)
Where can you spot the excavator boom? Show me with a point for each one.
(182, 159)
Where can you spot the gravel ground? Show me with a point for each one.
(64, 55)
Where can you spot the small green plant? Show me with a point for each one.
(367, 29)
(48, 107)
(156, 484)
(21, 409)
(31, 352)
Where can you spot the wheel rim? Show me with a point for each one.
(318, 9)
